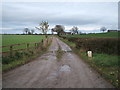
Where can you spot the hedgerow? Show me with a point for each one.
(97, 45)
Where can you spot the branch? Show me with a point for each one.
(37, 28)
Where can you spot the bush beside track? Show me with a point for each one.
(97, 45)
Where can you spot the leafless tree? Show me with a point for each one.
(103, 29)
(32, 31)
(74, 29)
(43, 26)
(26, 30)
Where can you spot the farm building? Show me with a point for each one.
(112, 30)
(65, 33)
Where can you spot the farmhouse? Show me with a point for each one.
(112, 30)
(63, 33)
(67, 33)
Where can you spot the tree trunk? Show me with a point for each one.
(58, 34)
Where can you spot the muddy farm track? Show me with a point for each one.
(47, 71)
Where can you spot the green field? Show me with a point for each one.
(108, 34)
(21, 57)
(16, 39)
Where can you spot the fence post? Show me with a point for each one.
(35, 45)
(11, 50)
(27, 46)
(47, 41)
(42, 40)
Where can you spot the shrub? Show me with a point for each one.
(98, 45)
(19, 55)
(7, 59)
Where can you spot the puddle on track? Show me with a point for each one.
(52, 76)
(65, 68)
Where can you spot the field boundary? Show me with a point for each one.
(12, 45)
(98, 45)
(36, 45)
(15, 58)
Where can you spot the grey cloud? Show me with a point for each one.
(19, 15)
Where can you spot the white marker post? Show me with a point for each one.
(89, 53)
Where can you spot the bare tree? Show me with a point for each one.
(52, 30)
(59, 29)
(43, 26)
(29, 33)
(32, 31)
(26, 30)
(103, 29)
(74, 29)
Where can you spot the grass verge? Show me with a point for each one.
(105, 64)
(21, 58)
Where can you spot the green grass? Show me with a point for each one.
(106, 65)
(16, 39)
(108, 34)
(22, 57)
(21, 60)
(59, 54)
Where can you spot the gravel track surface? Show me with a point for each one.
(47, 72)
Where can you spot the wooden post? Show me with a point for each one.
(35, 45)
(42, 41)
(27, 46)
(47, 41)
(11, 50)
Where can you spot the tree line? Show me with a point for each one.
(28, 31)
(43, 27)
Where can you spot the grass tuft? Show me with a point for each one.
(59, 54)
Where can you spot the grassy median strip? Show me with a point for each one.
(106, 65)
(59, 54)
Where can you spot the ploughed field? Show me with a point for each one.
(19, 39)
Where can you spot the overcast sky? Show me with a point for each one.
(88, 16)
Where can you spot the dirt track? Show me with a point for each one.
(47, 72)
